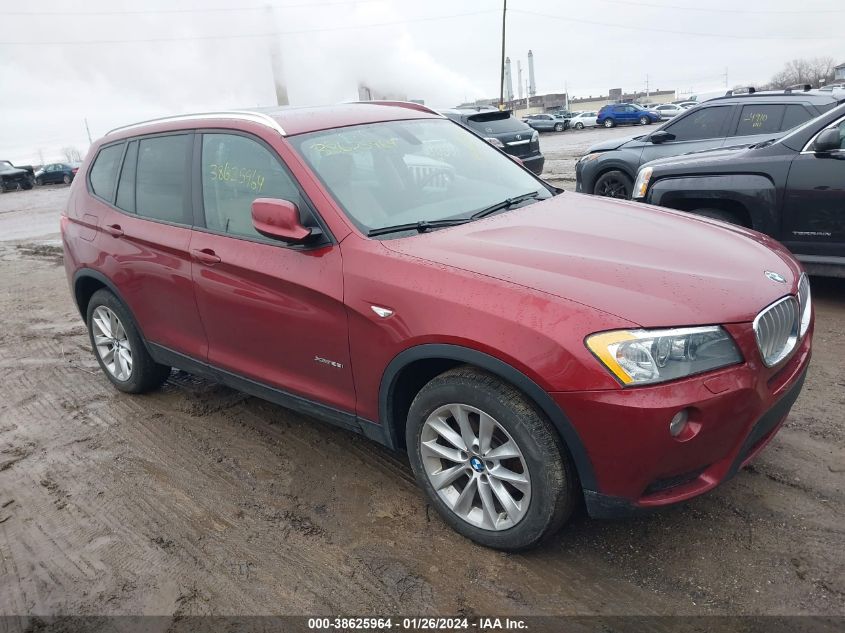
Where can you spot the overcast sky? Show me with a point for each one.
(118, 61)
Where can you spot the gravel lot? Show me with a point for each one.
(200, 500)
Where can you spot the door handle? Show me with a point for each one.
(114, 230)
(206, 256)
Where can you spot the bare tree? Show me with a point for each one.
(815, 71)
(72, 155)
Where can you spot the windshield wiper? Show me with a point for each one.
(420, 227)
(504, 204)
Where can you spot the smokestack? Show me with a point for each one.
(519, 78)
(508, 80)
(276, 66)
(532, 87)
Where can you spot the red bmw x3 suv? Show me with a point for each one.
(380, 267)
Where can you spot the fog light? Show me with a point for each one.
(678, 423)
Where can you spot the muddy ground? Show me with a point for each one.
(200, 500)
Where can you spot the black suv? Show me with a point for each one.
(792, 188)
(502, 130)
(609, 168)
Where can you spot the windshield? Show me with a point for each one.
(399, 172)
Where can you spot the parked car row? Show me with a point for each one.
(609, 167)
(380, 267)
(772, 162)
(25, 177)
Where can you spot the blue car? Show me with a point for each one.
(626, 113)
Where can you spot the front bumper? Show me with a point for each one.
(735, 411)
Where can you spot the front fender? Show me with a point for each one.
(756, 193)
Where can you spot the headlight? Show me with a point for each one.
(588, 157)
(535, 138)
(640, 357)
(805, 303)
(641, 185)
(494, 142)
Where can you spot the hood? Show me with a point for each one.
(715, 156)
(613, 143)
(11, 171)
(651, 266)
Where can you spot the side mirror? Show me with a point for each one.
(278, 219)
(828, 141)
(661, 136)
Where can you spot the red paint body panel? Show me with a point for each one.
(525, 287)
(626, 430)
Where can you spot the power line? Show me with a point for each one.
(675, 7)
(246, 35)
(264, 7)
(674, 32)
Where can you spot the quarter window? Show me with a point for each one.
(235, 171)
(795, 115)
(700, 124)
(161, 183)
(104, 170)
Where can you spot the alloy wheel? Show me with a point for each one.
(608, 123)
(112, 343)
(613, 188)
(475, 466)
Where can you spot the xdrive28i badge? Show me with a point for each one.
(775, 277)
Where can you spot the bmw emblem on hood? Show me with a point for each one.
(775, 277)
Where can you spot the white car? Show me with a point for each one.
(668, 110)
(582, 120)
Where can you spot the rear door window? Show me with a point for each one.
(104, 171)
(162, 178)
(760, 119)
(701, 123)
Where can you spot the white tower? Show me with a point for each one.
(532, 87)
(508, 80)
(519, 78)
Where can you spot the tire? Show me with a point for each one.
(579, 126)
(609, 123)
(39, 181)
(558, 127)
(143, 374)
(27, 186)
(614, 184)
(538, 509)
(719, 214)
(67, 179)
(644, 120)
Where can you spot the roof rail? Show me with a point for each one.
(748, 90)
(798, 88)
(410, 105)
(239, 115)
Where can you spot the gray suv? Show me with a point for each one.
(609, 168)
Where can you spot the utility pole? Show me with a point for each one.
(502, 66)
(646, 88)
(726, 76)
(87, 130)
